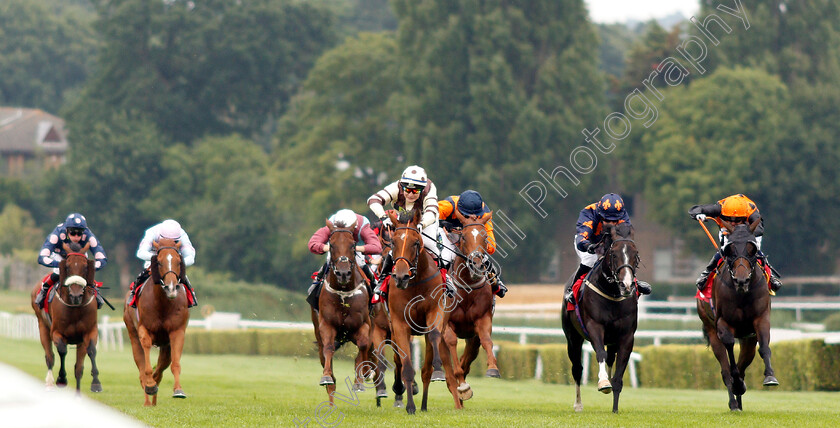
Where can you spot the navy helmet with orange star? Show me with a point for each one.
(611, 207)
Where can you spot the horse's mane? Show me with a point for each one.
(406, 217)
(624, 230)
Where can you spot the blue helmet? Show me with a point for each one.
(75, 221)
(611, 207)
(470, 203)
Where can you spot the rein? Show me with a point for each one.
(613, 277)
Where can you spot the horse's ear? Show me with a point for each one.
(754, 225)
(727, 225)
(486, 217)
(459, 216)
(330, 226)
(66, 247)
(417, 217)
(156, 245)
(62, 270)
(154, 272)
(91, 271)
(393, 216)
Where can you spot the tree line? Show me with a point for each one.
(251, 122)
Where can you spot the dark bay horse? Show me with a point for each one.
(380, 337)
(418, 305)
(160, 319)
(343, 308)
(472, 317)
(741, 311)
(608, 313)
(72, 317)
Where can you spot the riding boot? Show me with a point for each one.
(144, 275)
(643, 287)
(704, 276)
(42, 293)
(447, 282)
(315, 289)
(371, 278)
(99, 299)
(186, 281)
(775, 282)
(495, 279)
(384, 276)
(570, 294)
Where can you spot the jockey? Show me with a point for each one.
(319, 243)
(470, 203)
(413, 190)
(609, 211)
(167, 229)
(735, 209)
(73, 229)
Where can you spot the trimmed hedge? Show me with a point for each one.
(807, 365)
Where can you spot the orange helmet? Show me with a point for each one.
(736, 206)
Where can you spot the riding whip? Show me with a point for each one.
(708, 234)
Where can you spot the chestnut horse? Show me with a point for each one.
(418, 305)
(608, 313)
(741, 311)
(160, 319)
(380, 337)
(343, 308)
(72, 317)
(472, 318)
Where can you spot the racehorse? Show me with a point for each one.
(160, 319)
(418, 305)
(380, 337)
(72, 317)
(607, 313)
(741, 310)
(472, 317)
(343, 308)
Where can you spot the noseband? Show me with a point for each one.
(58, 295)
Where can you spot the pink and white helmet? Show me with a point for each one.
(170, 229)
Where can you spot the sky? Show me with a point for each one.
(610, 11)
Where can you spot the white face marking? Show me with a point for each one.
(402, 236)
(475, 234)
(627, 275)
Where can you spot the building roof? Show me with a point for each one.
(24, 130)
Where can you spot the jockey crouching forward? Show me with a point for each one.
(609, 211)
(73, 229)
(362, 233)
(413, 191)
(470, 203)
(735, 209)
(167, 229)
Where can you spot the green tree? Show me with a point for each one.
(735, 132)
(46, 53)
(21, 231)
(494, 91)
(210, 67)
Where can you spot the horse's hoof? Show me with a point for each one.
(179, 393)
(464, 391)
(382, 393)
(438, 375)
(151, 390)
(770, 381)
(605, 386)
(326, 380)
(398, 403)
(358, 387)
(410, 409)
(493, 373)
(97, 387)
(61, 383)
(578, 407)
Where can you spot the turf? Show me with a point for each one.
(241, 391)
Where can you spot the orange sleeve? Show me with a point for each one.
(444, 209)
(491, 238)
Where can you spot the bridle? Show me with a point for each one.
(412, 266)
(341, 259)
(735, 257)
(169, 265)
(84, 289)
(608, 255)
(475, 254)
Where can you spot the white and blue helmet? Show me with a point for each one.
(414, 177)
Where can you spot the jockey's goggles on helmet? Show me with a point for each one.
(411, 188)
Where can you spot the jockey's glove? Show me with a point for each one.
(386, 222)
(592, 248)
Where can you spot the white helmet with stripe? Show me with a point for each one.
(413, 177)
